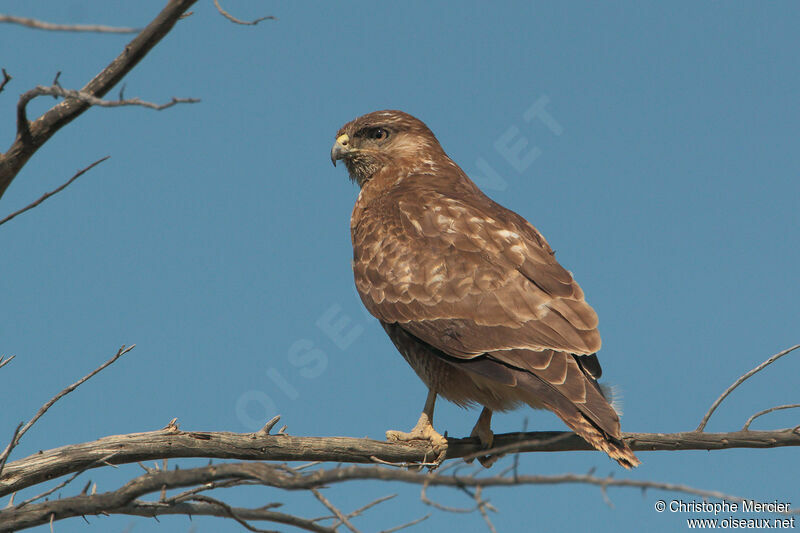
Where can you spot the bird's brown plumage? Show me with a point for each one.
(469, 292)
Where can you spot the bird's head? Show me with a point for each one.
(372, 142)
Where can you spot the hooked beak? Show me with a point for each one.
(340, 148)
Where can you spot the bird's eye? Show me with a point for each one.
(378, 134)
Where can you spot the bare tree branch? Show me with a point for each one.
(151, 509)
(277, 477)
(59, 486)
(57, 90)
(339, 514)
(363, 508)
(41, 129)
(47, 195)
(765, 411)
(741, 380)
(174, 443)
(231, 513)
(41, 25)
(238, 21)
(21, 431)
(483, 505)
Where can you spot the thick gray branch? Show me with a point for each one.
(172, 443)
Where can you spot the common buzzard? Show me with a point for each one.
(469, 292)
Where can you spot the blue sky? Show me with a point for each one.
(216, 237)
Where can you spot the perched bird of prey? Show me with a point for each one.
(469, 292)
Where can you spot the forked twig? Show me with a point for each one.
(741, 380)
(20, 431)
(363, 508)
(335, 510)
(482, 506)
(57, 90)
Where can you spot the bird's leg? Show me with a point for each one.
(483, 430)
(424, 429)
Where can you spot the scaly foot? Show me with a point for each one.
(423, 431)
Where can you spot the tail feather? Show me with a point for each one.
(574, 416)
(556, 381)
(615, 448)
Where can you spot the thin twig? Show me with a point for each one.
(232, 513)
(427, 501)
(360, 510)
(238, 21)
(6, 79)
(335, 510)
(482, 505)
(741, 380)
(3, 360)
(187, 495)
(57, 90)
(190, 509)
(63, 484)
(371, 504)
(407, 524)
(306, 465)
(746, 426)
(7, 451)
(42, 25)
(18, 434)
(47, 195)
(606, 499)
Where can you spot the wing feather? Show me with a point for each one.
(466, 275)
